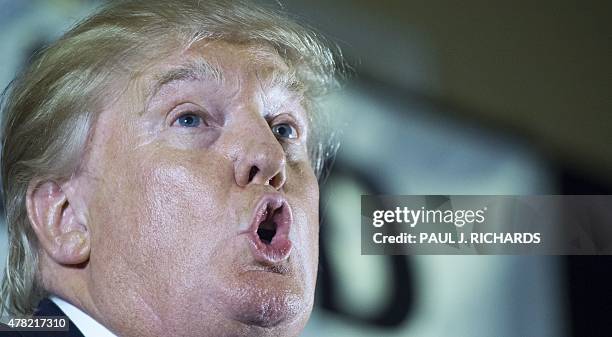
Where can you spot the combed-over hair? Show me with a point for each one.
(49, 110)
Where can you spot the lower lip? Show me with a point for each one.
(272, 253)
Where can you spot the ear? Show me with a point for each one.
(55, 223)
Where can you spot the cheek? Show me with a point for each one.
(302, 189)
(161, 211)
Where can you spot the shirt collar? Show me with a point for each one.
(88, 326)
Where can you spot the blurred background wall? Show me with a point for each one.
(447, 97)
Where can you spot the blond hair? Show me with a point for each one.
(50, 108)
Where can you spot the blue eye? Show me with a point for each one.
(284, 130)
(189, 121)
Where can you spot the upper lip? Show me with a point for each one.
(272, 207)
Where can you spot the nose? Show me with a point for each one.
(262, 160)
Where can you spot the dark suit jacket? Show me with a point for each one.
(46, 307)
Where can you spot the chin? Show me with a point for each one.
(266, 297)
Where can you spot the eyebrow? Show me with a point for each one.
(198, 69)
(283, 79)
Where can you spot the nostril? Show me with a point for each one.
(253, 173)
(277, 181)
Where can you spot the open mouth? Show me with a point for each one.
(269, 230)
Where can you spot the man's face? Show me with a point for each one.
(181, 189)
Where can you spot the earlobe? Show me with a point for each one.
(53, 219)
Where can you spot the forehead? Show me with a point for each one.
(251, 56)
(222, 61)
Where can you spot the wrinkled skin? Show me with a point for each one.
(164, 204)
